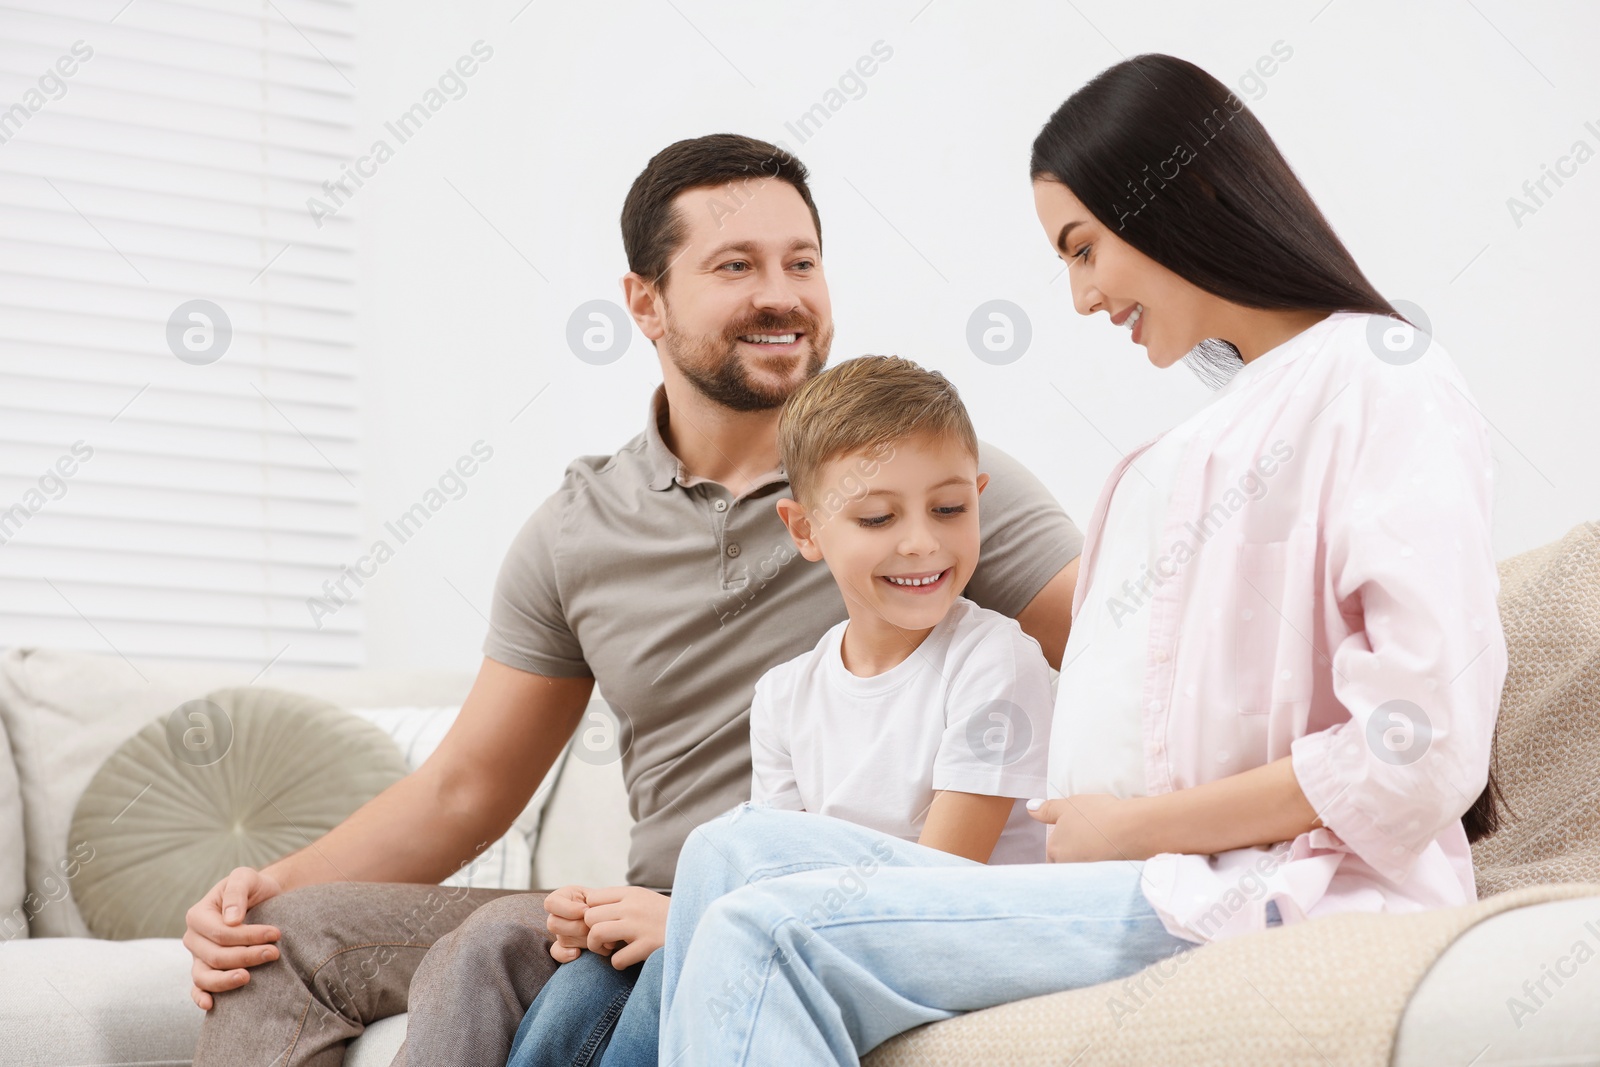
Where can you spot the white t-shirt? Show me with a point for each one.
(969, 710)
(1096, 745)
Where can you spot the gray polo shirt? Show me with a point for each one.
(675, 597)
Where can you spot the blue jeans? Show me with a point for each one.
(799, 938)
(590, 1013)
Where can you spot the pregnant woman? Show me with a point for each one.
(1280, 689)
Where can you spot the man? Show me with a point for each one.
(663, 573)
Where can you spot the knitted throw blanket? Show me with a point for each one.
(1266, 997)
(1547, 745)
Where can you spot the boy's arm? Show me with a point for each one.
(772, 778)
(966, 824)
(995, 746)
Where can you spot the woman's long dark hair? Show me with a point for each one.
(1170, 159)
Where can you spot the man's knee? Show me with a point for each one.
(307, 904)
(319, 919)
(511, 925)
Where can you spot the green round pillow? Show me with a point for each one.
(240, 777)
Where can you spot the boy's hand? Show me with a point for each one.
(627, 916)
(566, 922)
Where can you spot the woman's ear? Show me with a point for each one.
(798, 524)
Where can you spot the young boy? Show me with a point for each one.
(922, 715)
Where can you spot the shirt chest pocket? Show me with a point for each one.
(1273, 623)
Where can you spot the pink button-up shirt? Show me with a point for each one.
(1324, 588)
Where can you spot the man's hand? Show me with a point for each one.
(629, 916)
(222, 946)
(566, 924)
(1091, 827)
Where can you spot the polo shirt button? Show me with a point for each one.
(733, 550)
(720, 505)
(1161, 656)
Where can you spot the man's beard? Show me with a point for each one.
(712, 364)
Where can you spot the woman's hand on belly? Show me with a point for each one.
(1262, 806)
(1091, 827)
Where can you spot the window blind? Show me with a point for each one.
(179, 420)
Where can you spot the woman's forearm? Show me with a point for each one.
(1261, 806)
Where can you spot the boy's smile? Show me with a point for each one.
(919, 584)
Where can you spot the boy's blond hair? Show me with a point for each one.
(865, 405)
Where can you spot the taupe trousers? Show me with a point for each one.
(466, 963)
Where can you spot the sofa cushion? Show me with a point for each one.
(68, 1001)
(75, 1001)
(66, 712)
(377, 1046)
(236, 778)
(13, 915)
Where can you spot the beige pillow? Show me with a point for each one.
(237, 778)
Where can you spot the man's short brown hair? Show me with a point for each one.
(865, 405)
(653, 230)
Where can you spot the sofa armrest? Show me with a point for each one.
(1525, 984)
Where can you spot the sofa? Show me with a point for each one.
(1516, 987)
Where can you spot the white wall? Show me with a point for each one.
(1411, 124)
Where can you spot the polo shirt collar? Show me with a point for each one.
(666, 468)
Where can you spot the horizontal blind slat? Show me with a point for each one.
(115, 377)
(149, 640)
(59, 525)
